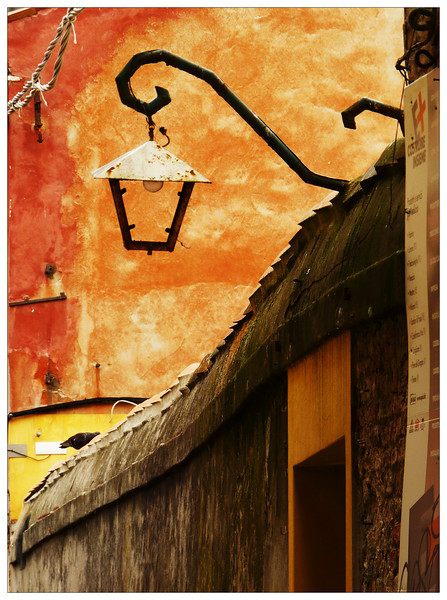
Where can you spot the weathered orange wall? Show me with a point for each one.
(143, 318)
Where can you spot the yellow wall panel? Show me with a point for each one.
(24, 473)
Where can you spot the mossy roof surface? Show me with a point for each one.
(344, 266)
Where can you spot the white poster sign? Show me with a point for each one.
(419, 543)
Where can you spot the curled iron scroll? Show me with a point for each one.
(154, 56)
(431, 26)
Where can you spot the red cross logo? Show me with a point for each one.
(420, 115)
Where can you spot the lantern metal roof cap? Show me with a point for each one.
(149, 162)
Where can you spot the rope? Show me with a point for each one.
(34, 85)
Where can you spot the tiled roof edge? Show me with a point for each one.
(321, 216)
(318, 218)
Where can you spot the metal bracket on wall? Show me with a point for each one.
(61, 296)
(38, 116)
(363, 104)
(149, 108)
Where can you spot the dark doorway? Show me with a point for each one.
(319, 515)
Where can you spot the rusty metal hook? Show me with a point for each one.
(154, 56)
(38, 116)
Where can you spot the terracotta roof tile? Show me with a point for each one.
(143, 405)
(325, 210)
(56, 465)
(248, 310)
(299, 241)
(96, 439)
(38, 486)
(353, 191)
(206, 363)
(310, 224)
(188, 370)
(369, 178)
(32, 491)
(268, 279)
(240, 317)
(116, 425)
(327, 201)
(256, 298)
(281, 262)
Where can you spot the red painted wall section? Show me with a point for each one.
(144, 318)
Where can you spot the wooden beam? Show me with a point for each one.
(319, 415)
(21, 13)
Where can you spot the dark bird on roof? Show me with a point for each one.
(78, 440)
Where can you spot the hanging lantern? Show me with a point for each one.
(154, 166)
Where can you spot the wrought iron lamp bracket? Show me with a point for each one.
(155, 56)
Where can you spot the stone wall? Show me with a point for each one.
(379, 409)
(216, 522)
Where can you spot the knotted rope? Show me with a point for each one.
(34, 85)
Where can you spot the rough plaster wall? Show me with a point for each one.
(214, 523)
(379, 409)
(143, 319)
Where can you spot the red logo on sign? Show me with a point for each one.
(420, 117)
(419, 108)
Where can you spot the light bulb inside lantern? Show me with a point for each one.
(152, 186)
